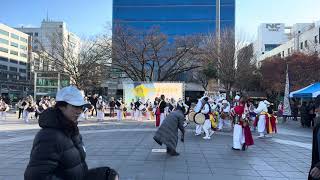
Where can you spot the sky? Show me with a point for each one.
(88, 18)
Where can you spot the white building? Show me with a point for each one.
(270, 36)
(14, 59)
(44, 35)
(303, 37)
(46, 80)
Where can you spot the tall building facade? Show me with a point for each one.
(175, 17)
(300, 37)
(43, 35)
(45, 78)
(14, 60)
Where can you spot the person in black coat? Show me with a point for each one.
(58, 152)
(315, 164)
(168, 131)
(188, 103)
(304, 113)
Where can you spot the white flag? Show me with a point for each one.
(286, 101)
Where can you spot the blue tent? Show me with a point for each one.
(311, 91)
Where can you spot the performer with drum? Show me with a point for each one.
(203, 109)
(168, 131)
(224, 114)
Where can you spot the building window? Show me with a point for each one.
(3, 76)
(288, 51)
(23, 47)
(4, 41)
(4, 50)
(14, 36)
(301, 45)
(36, 34)
(14, 61)
(269, 47)
(3, 67)
(14, 52)
(305, 43)
(13, 76)
(316, 39)
(23, 55)
(13, 44)
(14, 69)
(3, 32)
(23, 40)
(4, 59)
(60, 26)
(22, 63)
(23, 78)
(23, 70)
(282, 53)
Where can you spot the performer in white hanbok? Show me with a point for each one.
(224, 115)
(261, 111)
(84, 115)
(100, 105)
(3, 109)
(204, 107)
(29, 106)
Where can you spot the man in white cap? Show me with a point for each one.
(58, 151)
(262, 110)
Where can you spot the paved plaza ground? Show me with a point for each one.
(127, 146)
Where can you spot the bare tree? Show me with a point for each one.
(205, 73)
(222, 51)
(85, 63)
(151, 56)
(247, 74)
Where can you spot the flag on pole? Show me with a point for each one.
(286, 101)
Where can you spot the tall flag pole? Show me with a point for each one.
(286, 101)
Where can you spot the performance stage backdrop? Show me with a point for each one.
(149, 91)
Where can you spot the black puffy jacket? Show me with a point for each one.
(58, 152)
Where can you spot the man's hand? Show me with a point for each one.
(315, 173)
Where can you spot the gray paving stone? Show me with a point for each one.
(294, 174)
(130, 154)
(270, 174)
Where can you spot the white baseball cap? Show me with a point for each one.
(224, 101)
(72, 95)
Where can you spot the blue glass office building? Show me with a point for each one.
(175, 17)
